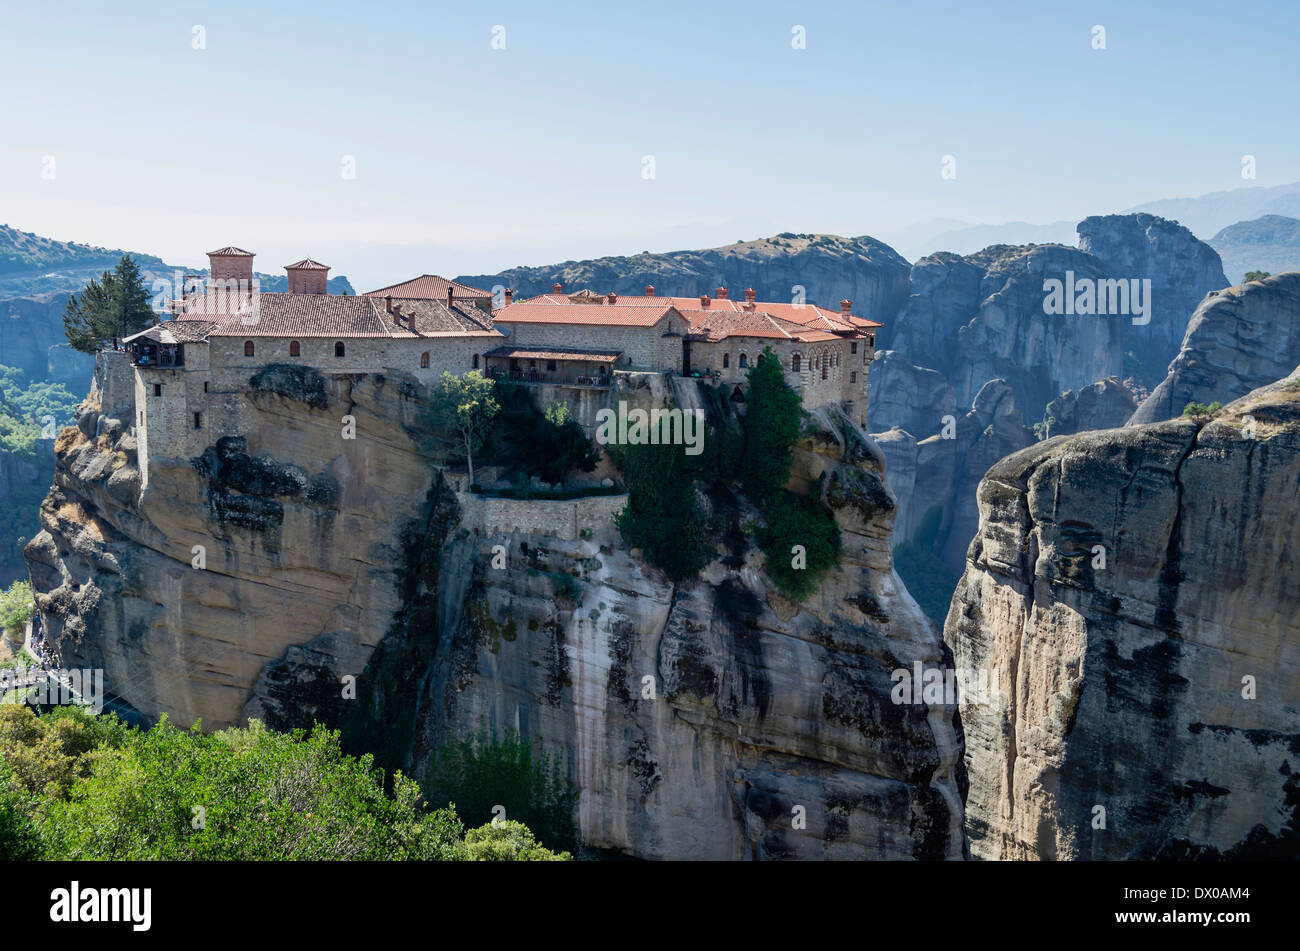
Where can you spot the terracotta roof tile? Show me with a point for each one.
(527, 313)
(230, 251)
(804, 314)
(429, 286)
(591, 356)
(307, 264)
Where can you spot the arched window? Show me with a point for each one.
(424, 360)
(248, 348)
(476, 361)
(338, 348)
(295, 349)
(744, 361)
(823, 368)
(794, 363)
(726, 360)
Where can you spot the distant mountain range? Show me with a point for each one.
(1205, 216)
(1270, 243)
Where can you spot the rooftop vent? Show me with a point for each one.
(308, 277)
(749, 293)
(649, 290)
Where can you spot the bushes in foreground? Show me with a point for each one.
(76, 786)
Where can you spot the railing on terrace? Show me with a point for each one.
(543, 376)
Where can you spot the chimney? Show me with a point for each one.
(704, 300)
(749, 305)
(722, 293)
(749, 294)
(230, 269)
(510, 296)
(649, 290)
(388, 304)
(612, 298)
(845, 307)
(557, 288)
(308, 277)
(449, 290)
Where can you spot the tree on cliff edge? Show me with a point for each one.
(466, 406)
(772, 421)
(115, 306)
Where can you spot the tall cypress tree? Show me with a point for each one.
(772, 421)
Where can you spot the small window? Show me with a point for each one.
(853, 346)
(338, 348)
(198, 420)
(853, 377)
(424, 361)
(823, 369)
(157, 389)
(295, 349)
(550, 366)
(141, 417)
(476, 361)
(205, 386)
(794, 363)
(744, 361)
(248, 348)
(726, 360)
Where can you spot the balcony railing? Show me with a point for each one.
(558, 377)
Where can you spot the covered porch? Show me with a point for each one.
(563, 366)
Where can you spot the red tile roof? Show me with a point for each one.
(229, 251)
(566, 313)
(307, 264)
(808, 315)
(324, 315)
(429, 286)
(718, 325)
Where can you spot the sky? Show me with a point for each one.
(175, 128)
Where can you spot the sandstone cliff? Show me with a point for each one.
(1239, 338)
(1138, 591)
(328, 557)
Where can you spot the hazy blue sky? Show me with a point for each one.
(470, 158)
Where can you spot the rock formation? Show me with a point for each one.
(1138, 592)
(1239, 339)
(327, 557)
(1269, 243)
(1102, 405)
(900, 394)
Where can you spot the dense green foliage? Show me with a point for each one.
(798, 520)
(662, 516)
(927, 578)
(547, 445)
(1256, 276)
(76, 786)
(508, 841)
(1201, 409)
(16, 607)
(771, 426)
(110, 308)
(24, 251)
(30, 411)
(484, 772)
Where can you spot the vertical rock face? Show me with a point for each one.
(910, 397)
(1239, 339)
(1103, 405)
(298, 532)
(1138, 593)
(1182, 270)
(757, 705)
(769, 730)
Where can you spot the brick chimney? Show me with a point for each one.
(231, 264)
(649, 290)
(510, 296)
(449, 290)
(749, 294)
(749, 305)
(722, 293)
(612, 298)
(704, 300)
(388, 304)
(557, 288)
(845, 307)
(308, 277)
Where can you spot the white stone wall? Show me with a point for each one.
(566, 519)
(644, 348)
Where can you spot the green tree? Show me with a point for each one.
(772, 421)
(508, 841)
(17, 605)
(1256, 276)
(1192, 410)
(662, 516)
(562, 446)
(115, 306)
(796, 520)
(464, 405)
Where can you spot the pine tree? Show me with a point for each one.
(115, 306)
